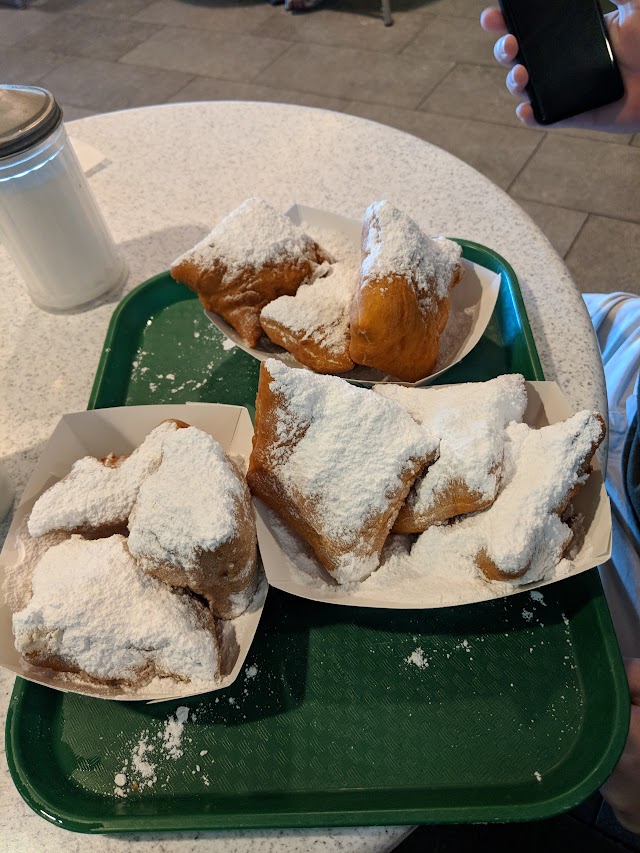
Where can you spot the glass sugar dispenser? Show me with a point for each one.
(50, 222)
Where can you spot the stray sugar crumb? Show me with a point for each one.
(173, 731)
(140, 769)
(141, 765)
(418, 658)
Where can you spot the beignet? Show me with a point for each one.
(193, 524)
(97, 495)
(94, 613)
(469, 419)
(254, 255)
(335, 462)
(401, 304)
(544, 468)
(313, 325)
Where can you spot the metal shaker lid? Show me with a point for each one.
(28, 114)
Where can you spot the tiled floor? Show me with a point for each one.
(432, 73)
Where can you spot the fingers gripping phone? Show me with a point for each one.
(565, 47)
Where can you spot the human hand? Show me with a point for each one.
(624, 32)
(622, 788)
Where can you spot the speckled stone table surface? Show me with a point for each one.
(170, 173)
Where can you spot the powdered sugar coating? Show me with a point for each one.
(93, 495)
(469, 419)
(319, 311)
(94, 608)
(521, 528)
(395, 245)
(351, 449)
(17, 576)
(439, 571)
(187, 506)
(541, 468)
(252, 235)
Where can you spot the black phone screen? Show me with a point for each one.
(565, 48)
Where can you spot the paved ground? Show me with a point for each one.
(432, 74)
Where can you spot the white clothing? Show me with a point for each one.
(616, 318)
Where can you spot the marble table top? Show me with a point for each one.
(170, 173)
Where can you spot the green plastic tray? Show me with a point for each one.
(521, 712)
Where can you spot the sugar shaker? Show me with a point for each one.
(50, 221)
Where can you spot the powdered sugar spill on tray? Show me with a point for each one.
(141, 768)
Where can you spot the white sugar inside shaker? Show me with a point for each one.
(49, 219)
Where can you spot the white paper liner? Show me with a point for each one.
(291, 566)
(472, 302)
(120, 430)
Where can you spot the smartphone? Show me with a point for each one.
(565, 47)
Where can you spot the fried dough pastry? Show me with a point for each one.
(313, 325)
(93, 613)
(193, 524)
(524, 534)
(469, 419)
(401, 304)
(29, 550)
(254, 255)
(335, 462)
(97, 495)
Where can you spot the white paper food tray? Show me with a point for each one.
(120, 430)
(291, 566)
(472, 302)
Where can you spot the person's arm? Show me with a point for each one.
(623, 116)
(622, 788)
